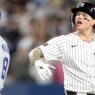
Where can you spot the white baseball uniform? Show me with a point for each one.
(78, 58)
(4, 61)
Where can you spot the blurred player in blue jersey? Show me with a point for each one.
(4, 61)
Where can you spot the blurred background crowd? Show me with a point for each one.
(26, 24)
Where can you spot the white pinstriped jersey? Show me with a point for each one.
(78, 58)
(4, 61)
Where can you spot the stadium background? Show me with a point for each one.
(25, 24)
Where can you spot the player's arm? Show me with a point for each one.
(43, 69)
(49, 50)
(35, 54)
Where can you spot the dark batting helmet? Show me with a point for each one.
(84, 7)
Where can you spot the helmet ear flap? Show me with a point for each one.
(73, 20)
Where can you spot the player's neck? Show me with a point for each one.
(87, 35)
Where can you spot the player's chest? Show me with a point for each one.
(80, 49)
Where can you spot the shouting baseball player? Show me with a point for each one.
(77, 50)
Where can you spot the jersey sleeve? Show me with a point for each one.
(53, 49)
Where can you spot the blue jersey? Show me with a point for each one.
(4, 61)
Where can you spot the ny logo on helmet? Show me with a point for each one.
(81, 5)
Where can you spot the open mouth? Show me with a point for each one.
(78, 23)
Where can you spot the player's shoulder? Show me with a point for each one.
(3, 45)
(62, 38)
(66, 37)
(2, 40)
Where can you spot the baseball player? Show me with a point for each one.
(76, 50)
(4, 61)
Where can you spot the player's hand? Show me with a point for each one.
(43, 69)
